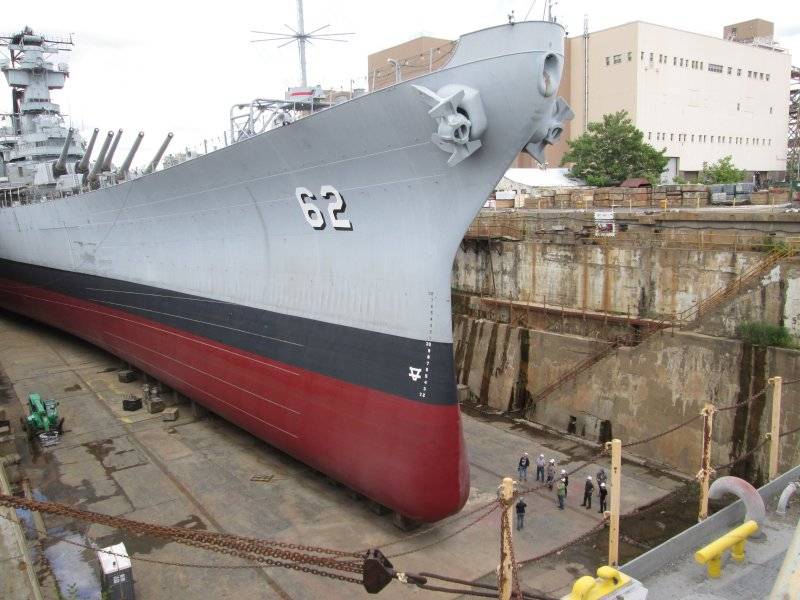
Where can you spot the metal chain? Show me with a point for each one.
(435, 526)
(742, 457)
(663, 433)
(492, 507)
(514, 567)
(743, 402)
(249, 549)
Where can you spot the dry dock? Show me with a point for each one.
(202, 472)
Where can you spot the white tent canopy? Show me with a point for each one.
(520, 179)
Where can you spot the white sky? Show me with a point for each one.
(179, 66)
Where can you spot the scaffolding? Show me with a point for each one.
(793, 155)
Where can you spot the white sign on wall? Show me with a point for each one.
(604, 225)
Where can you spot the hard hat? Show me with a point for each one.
(563, 471)
(602, 485)
(541, 456)
(553, 460)
(526, 454)
(589, 477)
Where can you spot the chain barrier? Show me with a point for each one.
(435, 526)
(663, 433)
(264, 552)
(492, 507)
(749, 400)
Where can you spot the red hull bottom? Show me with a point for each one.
(406, 455)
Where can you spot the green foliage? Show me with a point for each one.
(759, 333)
(612, 151)
(722, 171)
(679, 180)
(774, 244)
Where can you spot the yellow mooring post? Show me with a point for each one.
(616, 489)
(775, 430)
(704, 476)
(504, 572)
(711, 555)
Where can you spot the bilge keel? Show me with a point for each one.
(296, 282)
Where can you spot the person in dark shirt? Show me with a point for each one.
(587, 493)
(521, 513)
(522, 467)
(603, 493)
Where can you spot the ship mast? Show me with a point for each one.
(302, 38)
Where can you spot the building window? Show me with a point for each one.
(674, 61)
(712, 139)
(770, 110)
(746, 141)
(617, 59)
(692, 137)
(749, 73)
(761, 76)
(642, 55)
(730, 70)
(738, 72)
(730, 139)
(608, 60)
(715, 68)
(767, 76)
(630, 56)
(770, 142)
(681, 62)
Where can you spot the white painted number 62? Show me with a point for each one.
(314, 216)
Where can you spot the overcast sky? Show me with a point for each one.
(179, 66)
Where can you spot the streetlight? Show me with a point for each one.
(397, 75)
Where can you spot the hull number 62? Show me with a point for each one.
(314, 216)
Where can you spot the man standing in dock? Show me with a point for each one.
(587, 493)
(603, 493)
(561, 491)
(540, 462)
(551, 473)
(522, 468)
(521, 513)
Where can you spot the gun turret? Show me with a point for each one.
(60, 166)
(83, 164)
(107, 162)
(157, 158)
(123, 170)
(98, 164)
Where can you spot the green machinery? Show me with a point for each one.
(42, 418)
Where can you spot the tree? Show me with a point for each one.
(612, 151)
(722, 171)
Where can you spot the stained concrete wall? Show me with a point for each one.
(638, 390)
(644, 282)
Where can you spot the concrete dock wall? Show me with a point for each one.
(636, 391)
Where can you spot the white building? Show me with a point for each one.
(698, 96)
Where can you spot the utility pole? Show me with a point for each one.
(775, 431)
(705, 460)
(505, 574)
(616, 492)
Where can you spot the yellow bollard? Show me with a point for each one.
(711, 555)
(589, 588)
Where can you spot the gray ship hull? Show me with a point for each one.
(320, 322)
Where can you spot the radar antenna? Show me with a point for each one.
(302, 37)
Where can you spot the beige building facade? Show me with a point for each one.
(699, 97)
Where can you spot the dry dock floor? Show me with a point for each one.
(196, 472)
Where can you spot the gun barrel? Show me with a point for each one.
(98, 164)
(83, 164)
(157, 158)
(60, 166)
(110, 155)
(129, 159)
